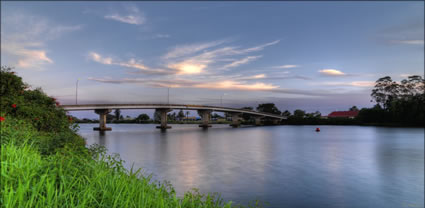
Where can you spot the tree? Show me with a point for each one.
(314, 115)
(215, 115)
(187, 114)
(354, 108)
(157, 116)
(110, 117)
(286, 113)
(180, 115)
(142, 117)
(268, 108)
(117, 114)
(385, 91)
(299, 114)
(245, 116)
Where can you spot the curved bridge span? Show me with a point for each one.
(203, 110)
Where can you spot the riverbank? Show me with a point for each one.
(45, 162)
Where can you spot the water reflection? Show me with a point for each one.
(288, 166)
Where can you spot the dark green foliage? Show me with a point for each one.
(401, 103)
(268, 108)
(245, 116)
(21, 105)
(44, 163)
(142, 117)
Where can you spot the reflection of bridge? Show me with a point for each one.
(163, 109)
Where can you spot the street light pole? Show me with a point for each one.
(168, 96)
(76, 92)
(221, 99)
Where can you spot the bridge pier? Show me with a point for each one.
(258, 120)
(236, 120)
(102, 120)
(206, 116)
(163, 112)
(276, 121)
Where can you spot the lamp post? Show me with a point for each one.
(221, 99)
(76, 92)
(168, 95)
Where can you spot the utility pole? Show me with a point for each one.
(168, 96)
(76, 92)
(221, 99)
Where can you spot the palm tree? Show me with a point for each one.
(187, 115)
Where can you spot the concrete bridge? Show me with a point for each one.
(163, 109)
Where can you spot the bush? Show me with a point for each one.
(33, 109)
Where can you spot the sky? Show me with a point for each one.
(313, 56)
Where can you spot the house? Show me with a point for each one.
(343, 114)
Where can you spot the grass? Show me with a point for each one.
(44, 162)
(83, 178)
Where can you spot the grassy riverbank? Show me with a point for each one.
(45, 162)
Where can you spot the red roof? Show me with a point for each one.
(344, 114)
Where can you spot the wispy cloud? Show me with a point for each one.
(135, 17)
(197, 58)
(25, 37)
(331, 72)
(182, 83)
(353, 84)
(162, 36)
(241, 61)
(409, 42)
(286, 67)
(184, 50)
(131, 63)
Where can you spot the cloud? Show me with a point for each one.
(260, 47)
(188, 67)
(183, 50)
(332, 72)
(241, 61)
(202, 57)
(182, 83)
(353, 84)
(132, 63)
(32, 58)
(162, 36)
(410, 42)
(135, 17)
(286, 67)
(24, 38)
(129, 19)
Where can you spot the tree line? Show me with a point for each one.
(396, 103)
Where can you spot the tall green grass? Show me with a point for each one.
(44, 162)
(68, 180)
(80, 178)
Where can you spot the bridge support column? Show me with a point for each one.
(206, 116)
(258, 120)
(102, 120)
(236, 120)
(276, 121)
(163, 112)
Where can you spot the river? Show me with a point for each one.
(285, 166)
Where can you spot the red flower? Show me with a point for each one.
(57, 104)
(13, 105)
(36, 119)
(69, 118)
(1, 119)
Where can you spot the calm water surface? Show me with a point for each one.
(286, 166)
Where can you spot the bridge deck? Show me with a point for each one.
(167, 106)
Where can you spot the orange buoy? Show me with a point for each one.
(317, 129)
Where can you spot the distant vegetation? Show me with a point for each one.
(44, 162)
(397, 104)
